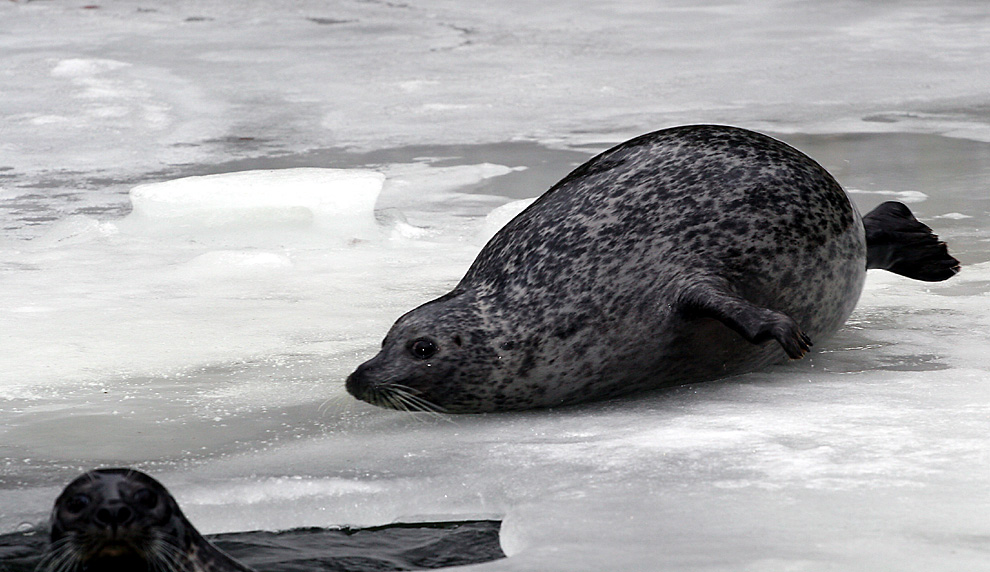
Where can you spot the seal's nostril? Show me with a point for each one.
(113, 515)
(104, 516)
(356, 382)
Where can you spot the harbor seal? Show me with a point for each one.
(683, 255)
(122, 519)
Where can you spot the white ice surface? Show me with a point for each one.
(124, 297)
(337, 201)
(208, 344)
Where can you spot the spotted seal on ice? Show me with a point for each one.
(110, 520)
(683, 255)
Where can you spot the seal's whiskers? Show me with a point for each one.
(166, 556)
(415, 404)
(61, 556)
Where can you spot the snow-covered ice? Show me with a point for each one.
(212, 213)
(338, 200)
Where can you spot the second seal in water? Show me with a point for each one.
(680, 256)
(117, 520)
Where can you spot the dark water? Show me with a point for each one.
(394, 547)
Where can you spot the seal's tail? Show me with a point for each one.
(897, 242)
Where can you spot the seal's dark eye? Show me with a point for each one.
(423, 348)
(77, 503)
(146, 498)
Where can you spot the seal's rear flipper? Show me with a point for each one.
(717, 299)
(897, 242)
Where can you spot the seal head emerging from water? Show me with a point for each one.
(116, 520)
(680, 256)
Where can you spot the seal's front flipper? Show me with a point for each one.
(897, 242)
(717, 299)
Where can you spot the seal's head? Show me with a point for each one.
(436, 358)
(116, 519)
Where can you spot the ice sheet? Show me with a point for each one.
(338, 201)
(136, 87)
(213, 355)
(217, 364)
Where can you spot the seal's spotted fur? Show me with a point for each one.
(110, 520)
(672, 258)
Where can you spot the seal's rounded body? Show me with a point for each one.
(666, 260)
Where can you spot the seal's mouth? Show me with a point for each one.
(124, 561)
(399, 397)
(114, 549)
